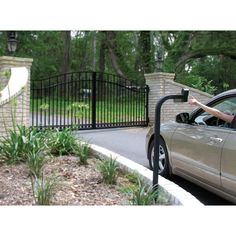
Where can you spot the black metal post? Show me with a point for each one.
(183, 97)
(146, 105)
(94, 98)
(32, 102)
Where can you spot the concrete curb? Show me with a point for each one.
(177, 195)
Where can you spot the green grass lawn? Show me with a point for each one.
(109, 111)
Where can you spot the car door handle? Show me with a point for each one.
(219, 140)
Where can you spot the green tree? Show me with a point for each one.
(210, 54)
(130, 54)
(145, 52)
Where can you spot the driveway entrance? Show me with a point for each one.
(128, 142)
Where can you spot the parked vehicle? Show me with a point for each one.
(200, 147)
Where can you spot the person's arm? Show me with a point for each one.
(212, 111)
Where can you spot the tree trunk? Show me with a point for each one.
(110, 36)
(94, 51)
(102, 57)
(66, 52)
(102, 54)
(145, 43)
(66, 60)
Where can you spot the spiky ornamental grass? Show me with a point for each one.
(140, 193)
(36, 162)
(61, 142)
(20, 141)
(44, 189)
(109, 170)
(82, 152)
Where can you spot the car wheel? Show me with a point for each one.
(164, 167)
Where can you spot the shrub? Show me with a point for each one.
(36, 162)
(61, 142)
(109, 170)
(82, 151)
(133, 177)
(198, 82)
(35, 142)
(140, 193)
(44, 189)
(11, 147)
(77, 109)
(19, 142)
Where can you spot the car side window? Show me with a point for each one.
(227, 105)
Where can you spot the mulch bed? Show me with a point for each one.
(79, 184)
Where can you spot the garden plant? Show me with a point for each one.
(38, 149)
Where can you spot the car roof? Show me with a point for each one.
(228, 92)
(220, 95)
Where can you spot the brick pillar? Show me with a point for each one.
(157, 86)
(21, 99)
(162, 84)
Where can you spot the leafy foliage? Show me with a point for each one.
(209, 54)
(200, 83)
(20, 141)
(141, 193)
(109, 170)
(11, 148)
(83, 152)
(61, 142)
(36, 161)
(44, 189)
(77, 109)
(31, 146)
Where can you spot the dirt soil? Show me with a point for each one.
(79, 184)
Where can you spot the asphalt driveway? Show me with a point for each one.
(119, 140)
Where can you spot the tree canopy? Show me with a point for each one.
(197, 57)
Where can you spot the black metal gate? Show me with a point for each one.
(88, 100)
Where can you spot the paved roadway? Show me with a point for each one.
(130, 142)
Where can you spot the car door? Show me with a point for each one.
(196, 151)
(228, 164)
(196, 148)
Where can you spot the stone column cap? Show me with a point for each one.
(15, 61)
(158, 75)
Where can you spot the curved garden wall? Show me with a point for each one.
(14, 92)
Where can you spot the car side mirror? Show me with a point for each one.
(182, 118)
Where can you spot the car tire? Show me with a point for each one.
(164, 166)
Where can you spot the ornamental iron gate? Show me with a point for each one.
(88, 100)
